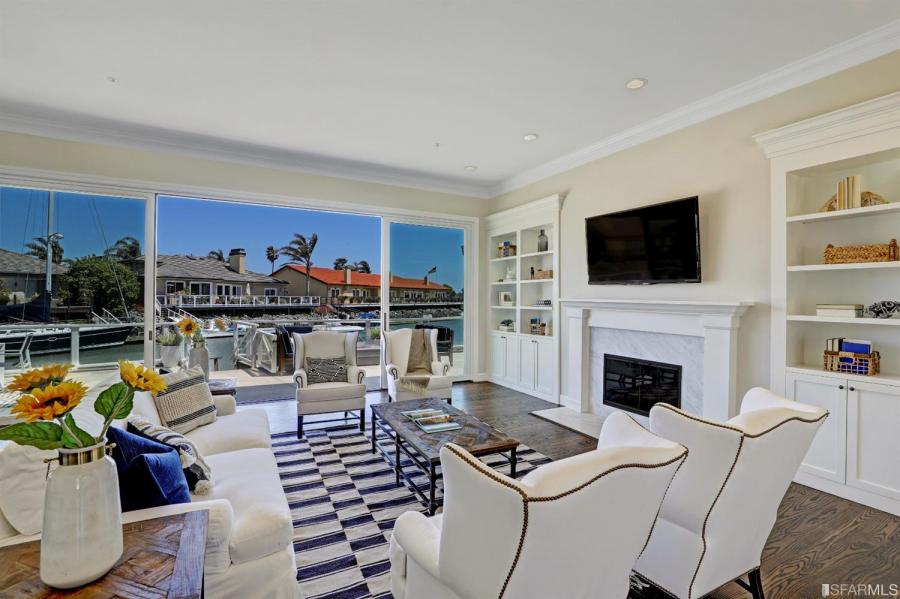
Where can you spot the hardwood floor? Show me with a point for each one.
(817, 539)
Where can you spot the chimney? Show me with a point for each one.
(237, 260)
(347, 272)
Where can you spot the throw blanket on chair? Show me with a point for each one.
(418, 366)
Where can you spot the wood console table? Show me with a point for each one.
(163, 558)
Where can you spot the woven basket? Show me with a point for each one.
(543, 274)
(849, 254)
(851, 363)
(869, 198)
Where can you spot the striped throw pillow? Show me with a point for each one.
(196, 470)
(186, 403)
(326, 370)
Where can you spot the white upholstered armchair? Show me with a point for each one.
(571, 528)
(348, 393)
(407, 383)
(723, 502)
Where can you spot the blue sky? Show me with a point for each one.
(88, 223)
(191, 226)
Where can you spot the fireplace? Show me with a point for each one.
(636, 385)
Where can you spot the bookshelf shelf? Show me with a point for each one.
(843, 214)
(537, 254)
(526, 281)
(839, 320)
(504, 259)
(852, 266)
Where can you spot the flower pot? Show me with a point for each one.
(199, 356)
(170, 355)
(82, 533)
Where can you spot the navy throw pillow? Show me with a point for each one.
(150, 473)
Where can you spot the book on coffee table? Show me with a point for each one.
(432, 421)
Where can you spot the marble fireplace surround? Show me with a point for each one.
(715, 324)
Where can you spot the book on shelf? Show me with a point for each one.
(849, 192)
(857, 346)
(840, 310)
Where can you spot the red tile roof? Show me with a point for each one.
(330, 276)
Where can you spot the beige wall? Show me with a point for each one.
(719, 161)
(30, 151)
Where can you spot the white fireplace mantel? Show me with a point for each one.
(715, 322)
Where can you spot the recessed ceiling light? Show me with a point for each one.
(635, 83)
(530, 136)
(112, 79)
(471, 168)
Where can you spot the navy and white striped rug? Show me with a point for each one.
(344, 502)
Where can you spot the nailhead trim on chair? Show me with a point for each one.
(727, 476)
(526, 499)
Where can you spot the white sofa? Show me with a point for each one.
(571, 528)
(249, 549)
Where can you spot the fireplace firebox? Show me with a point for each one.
(635, 385)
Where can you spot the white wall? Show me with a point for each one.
(719, 161)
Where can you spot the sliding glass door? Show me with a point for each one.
(426, 286)
(70, 278)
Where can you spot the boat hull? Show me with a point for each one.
(60, 341)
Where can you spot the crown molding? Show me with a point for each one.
(868, 117)
(857, 50)
(45, 122)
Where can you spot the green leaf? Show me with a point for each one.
(86, 439)
(115, 403)
(43, 435)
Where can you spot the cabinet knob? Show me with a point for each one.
(840, 386)
(853, 388)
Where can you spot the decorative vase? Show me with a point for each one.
(170, 355)
(543, 243)
(82, 533)
(199, 356)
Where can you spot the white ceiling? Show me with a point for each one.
(367, 88)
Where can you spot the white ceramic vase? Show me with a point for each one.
(82, 533)
(170, 355)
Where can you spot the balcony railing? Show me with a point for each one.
(174, 299)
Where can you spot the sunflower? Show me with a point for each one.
(50, 402)
(141, 378)
(187, 326)
(50, 374)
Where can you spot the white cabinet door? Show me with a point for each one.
(499, 343)
(545, 372)
(873, 438)
(528, 363)
(827, 454)
(512, 360)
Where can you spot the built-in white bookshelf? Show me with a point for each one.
(519, 356)
(854, 452)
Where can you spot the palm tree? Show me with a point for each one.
(38, 249)
(340, 263)
(300, 251)
(272, 256)
(361, 266)
(217, 254)
(127, 248)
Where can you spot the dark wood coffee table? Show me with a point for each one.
(424, 449)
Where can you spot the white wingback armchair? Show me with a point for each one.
(571, 528)
(396, 355)
(338, 396)
(723, 502)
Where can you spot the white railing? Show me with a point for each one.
(24, 340)
(238, 300)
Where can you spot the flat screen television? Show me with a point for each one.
(645, 246)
